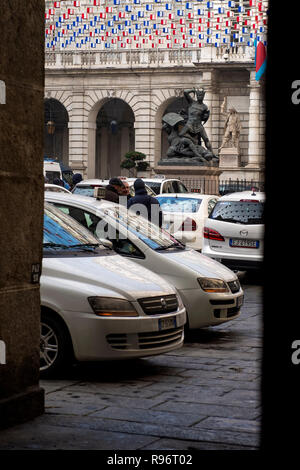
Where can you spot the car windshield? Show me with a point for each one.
(52, 175)
(84, 190)
(176, 204)
(154, 185)
(62, 232)
(155, 237)
(242, 212)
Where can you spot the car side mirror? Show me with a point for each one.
(106, 243)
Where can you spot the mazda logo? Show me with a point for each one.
(163, 303)
(244, 233)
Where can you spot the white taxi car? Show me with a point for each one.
(210, 292)
(234, 231)
(56, 188)
(161, 185)
(87, 187)
(97, 305)
(184, 215)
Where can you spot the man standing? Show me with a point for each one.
(144, 204)
(114, 190)
(125, 191)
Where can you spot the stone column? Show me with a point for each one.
(78, 133)
(91, 167)
(255, 148)
(21, 208)
(144, 126)
(211, 99)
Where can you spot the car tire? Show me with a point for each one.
(55, 346)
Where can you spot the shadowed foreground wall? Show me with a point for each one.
(21, 203)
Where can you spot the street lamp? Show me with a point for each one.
(50, 127)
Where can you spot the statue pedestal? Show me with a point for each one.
(229, 158)
(197, 178)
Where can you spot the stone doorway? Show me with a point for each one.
(56, 132)
(114, 137)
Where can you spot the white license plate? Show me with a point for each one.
(240, 243)
(167, 323)
(240, 301)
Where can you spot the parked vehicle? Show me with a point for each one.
(234, 231)
(97, 305)
(184, 215)
(165, 185)
(87, 187)
(56, 188)
(54, 169)
(210, 292)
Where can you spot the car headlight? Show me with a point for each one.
(213, 285)
(180, 303)
(110, 307)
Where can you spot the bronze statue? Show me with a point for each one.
(198, 112)
(186, 131)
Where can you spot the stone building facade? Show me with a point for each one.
(137, 89)
(107, 96)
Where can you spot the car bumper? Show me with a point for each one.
(210, 309)
(95, 338)
(234, 261)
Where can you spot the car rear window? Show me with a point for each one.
(182, 204)
(242, 212)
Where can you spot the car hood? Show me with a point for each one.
(201, 264)
(113, 273)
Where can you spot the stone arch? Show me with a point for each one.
(110, 133)
(56, 132)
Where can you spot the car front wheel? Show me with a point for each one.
(55, 350)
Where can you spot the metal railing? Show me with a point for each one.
(206, 186)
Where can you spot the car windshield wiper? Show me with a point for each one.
(85, 246)
(55, 245)
(173, 245)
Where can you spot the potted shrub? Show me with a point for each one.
(133, 162)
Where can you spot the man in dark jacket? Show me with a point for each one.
(151, 208)
(113, 190)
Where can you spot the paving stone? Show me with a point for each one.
(172, 444)
(49, 437)
(208, 409)
(101, 399)
(230, 424)
(148, 416)
(146, 429)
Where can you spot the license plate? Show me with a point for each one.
(240, 301)
(166, 323)
(241, 243)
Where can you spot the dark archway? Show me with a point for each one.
(115, 136)
(56, 132)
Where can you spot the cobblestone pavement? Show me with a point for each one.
(203, 396)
